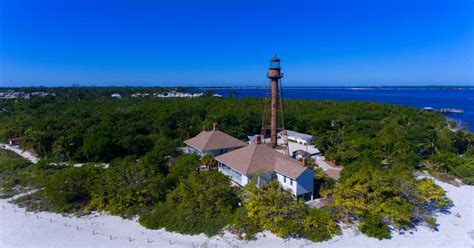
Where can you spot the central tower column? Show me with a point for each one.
(274, 74)
(274, 111)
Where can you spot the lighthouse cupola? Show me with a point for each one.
(275, 62)
(274, 72)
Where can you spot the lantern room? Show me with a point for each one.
(275, 63)
(274, 70)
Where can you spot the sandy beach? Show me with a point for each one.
(20, 229)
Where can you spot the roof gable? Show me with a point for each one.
(255, 159)
(302, 136)
(214, 140)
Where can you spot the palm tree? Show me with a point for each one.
(209, 161)
(431, 144)
(35, 138)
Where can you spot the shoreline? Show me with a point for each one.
(44, 229)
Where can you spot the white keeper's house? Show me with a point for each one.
(261, 162)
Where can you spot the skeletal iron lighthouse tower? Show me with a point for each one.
(274, 107)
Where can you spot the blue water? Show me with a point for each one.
(461, 98)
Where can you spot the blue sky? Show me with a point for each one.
(211, 43)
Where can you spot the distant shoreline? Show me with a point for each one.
(348, 87)
(357, 87)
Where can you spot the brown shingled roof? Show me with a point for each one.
(214, 140)
(260, 158)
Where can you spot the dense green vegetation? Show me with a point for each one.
(202, 203)
(270, 208)
(379, 198)
(70, 189)
(18, 175)
(11, 167)
(380, 147)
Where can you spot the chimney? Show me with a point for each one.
(215, 126)
(303, 161)
(257, 139)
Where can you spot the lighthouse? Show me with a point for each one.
(274, 106)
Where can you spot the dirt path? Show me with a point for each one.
(25, 154)
(331, 171)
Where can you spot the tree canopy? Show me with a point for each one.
(380, 146)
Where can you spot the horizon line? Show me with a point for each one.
(241, 86)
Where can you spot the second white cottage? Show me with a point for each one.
(261, 162)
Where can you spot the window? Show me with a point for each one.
(284, 179)
(291, 182)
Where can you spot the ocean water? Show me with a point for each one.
(419, 97)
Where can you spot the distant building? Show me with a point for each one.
(300, 138)
(212, 142)
(14, 141)
(10, 94)
(428, 109)
(260, 161)
(174, 94)
(116, 95)
(42, 94)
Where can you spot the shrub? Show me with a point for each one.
(10, 162)
(128, 187)
(184, 165)
(270, 208)
(380, 197)
(158, 155)
(70, 189)
(374, 226)
(466, 170)
(202, 203)
(242, 226)
(319, 225)
(431, 196)
(445, 162)
(150, 219)
(431, 223)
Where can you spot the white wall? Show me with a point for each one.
(287, 186)
(303, 184)
(233, 174)
(245, 180)
(190, 149)
(215, 153)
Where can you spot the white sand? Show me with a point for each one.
(20, 230)
(53, 230)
